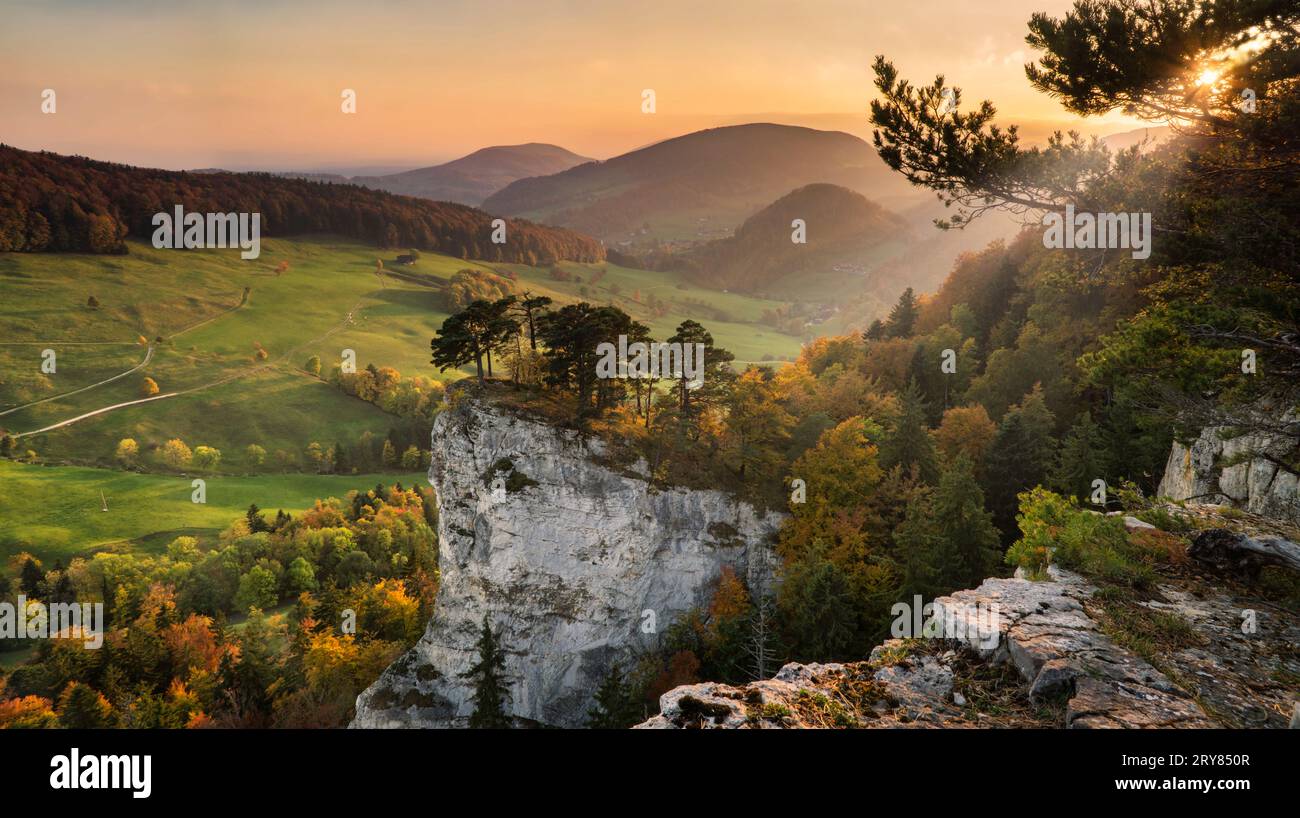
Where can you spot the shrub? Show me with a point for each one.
(1042, 515)
(206, 457)
(1053, 530)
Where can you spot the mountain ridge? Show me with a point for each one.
(697, 185)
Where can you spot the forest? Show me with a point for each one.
(281, 623)
(53, 203)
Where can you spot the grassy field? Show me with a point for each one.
(206, 315)
(55, 511)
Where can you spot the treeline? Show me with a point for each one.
(54, 203)
(190, 639)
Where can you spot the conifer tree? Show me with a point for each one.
(1082, 460)
(920, 550)
(255, 521)
(1020, 458)
(910, 444)
(489, 685)
(902, 318)
(969, 538)
(615, 707)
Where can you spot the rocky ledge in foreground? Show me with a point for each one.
(1055, 664)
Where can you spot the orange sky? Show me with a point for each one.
(257, 84)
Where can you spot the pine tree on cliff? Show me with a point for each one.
(489, 687)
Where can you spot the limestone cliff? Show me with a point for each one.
(575, 562)
(1240, 471)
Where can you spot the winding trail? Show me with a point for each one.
(347, 320)
(148, 356)
(100, 411)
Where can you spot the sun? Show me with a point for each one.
(1208, 77)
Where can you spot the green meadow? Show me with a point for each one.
(56, 512)
(230, 338)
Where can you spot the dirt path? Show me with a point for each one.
(347, 321)
(148, 356)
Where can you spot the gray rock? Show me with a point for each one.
(572, 566)
(1207, 471)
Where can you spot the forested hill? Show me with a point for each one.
(842, 227)
(50, 202)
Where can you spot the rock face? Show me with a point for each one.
(572, 561)
(1209, 472)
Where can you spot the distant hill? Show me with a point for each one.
(50, 202)
(844, 233)
(467, 180)
(471, 179)
(698, 186)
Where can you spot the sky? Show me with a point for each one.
(257, 84)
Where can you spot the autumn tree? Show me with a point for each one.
(81, 707)
(757, 426)
(965, 430)
(206, 457)
(411, 458)
(176, 454)
(127, 452)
